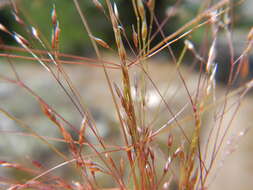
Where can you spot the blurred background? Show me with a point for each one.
(172, 14)
(91, 83)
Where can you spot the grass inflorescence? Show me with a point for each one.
(164, 145)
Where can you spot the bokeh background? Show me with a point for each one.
(236, 173)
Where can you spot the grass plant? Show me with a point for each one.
(179, 152)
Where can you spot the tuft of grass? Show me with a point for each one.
(167, 146)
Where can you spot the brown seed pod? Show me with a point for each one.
(101, 42)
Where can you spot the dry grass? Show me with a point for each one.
(168, 146)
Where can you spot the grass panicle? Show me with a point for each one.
(169, 147)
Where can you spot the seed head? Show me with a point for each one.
(189, 44)
(115, 9)
(54, 15)
(250, 35)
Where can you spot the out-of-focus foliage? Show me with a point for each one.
(73, 39)
(72, 36)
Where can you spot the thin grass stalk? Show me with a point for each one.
(30, 91)
(104, 67)
(137, 133)
(63, 55)
(23, 125)
(106, 74)
(131, 123)
(194, 21)
(138, 21)
(145, 45)
(131, 117)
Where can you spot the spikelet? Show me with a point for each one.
(211, 56)
(135, 37)
(167, 165)
(250, 35)
(141, 9)
(18, 19)
(115, 10)
(189, 45)
(81, 138)
(101, 42)
(21, 40)
(4, 29)
(55, 36)
(54, 15)
(151, 5)
(144, 30)
(35, 33)
(99, 5)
